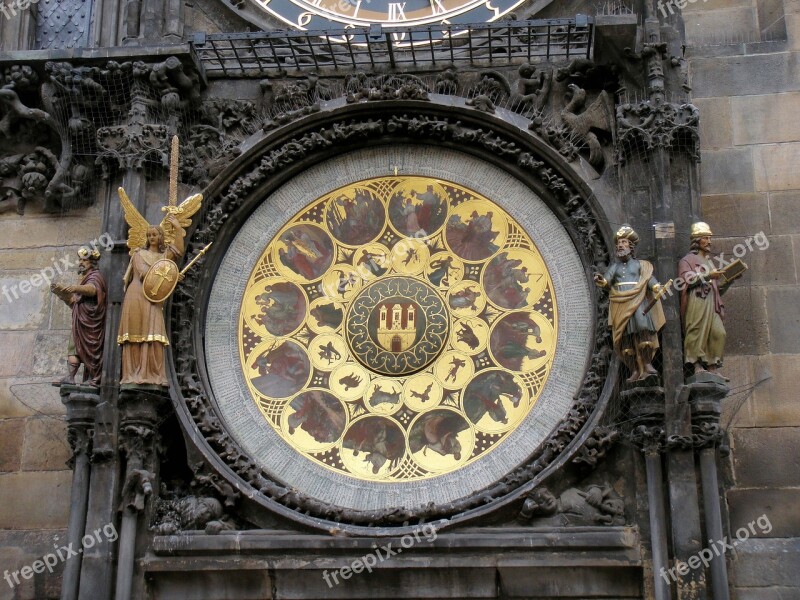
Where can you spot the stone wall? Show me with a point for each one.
(34, 333)
(749, 96)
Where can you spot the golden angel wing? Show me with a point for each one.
(184, 213)
(137, 224)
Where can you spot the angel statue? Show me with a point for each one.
(150, 279)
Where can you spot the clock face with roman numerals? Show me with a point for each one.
(327, 14)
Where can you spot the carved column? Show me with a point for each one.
(97, 567)
(97, 577)
(81, 402)
(140, 407)
(648, 435)
(657, 152)
(705, 399)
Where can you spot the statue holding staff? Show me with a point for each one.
(635, 315)
(88, 302)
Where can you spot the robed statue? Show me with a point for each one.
(702, 309)
(87, 299)
(150, 279)
(635, 314)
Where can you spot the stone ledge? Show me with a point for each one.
(586, 543)
(515, 562)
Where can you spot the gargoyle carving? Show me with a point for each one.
(599, 116)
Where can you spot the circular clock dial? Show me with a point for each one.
(377, 340)
(325, 14)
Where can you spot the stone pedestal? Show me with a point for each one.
(706, 391)
(141, 409)
(81, 402)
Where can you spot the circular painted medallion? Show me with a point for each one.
(398, 329)
(397, 326)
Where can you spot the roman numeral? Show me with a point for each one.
(437, 7)
(397, 11)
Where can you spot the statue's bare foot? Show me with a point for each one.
(698, 368)
(715, 370)
(650, 370)
(634, 377)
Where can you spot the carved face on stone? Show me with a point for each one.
(546, 501)
(704, 243)
(613, 506)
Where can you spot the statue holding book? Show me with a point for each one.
(702, 309)
(87, 299)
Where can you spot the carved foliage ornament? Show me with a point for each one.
(200, 407)
(647, 126)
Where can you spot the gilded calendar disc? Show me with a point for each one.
(398, 329)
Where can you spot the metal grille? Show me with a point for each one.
(482, 44)
(63, 23)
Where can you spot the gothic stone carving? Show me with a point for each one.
(647, 126)
(285, 103)
(143, 137)
(596, 446)
(36, 158)
(599, 116)
(533, 90)
(201, 507)
(361, 86)
(595, 505)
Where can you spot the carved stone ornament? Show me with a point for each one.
(42, 120)
(143, 137)
(596, 446)
(649, 439)
(645, 126)
(581, 218)
(595, 505)
(178, 510)
(361, 87)
(137, 488)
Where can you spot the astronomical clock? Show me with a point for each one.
(381, 336)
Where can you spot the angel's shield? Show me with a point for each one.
(160, 280)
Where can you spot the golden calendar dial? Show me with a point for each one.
(398, 328)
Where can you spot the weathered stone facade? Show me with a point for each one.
(242, 137)
(750, 147)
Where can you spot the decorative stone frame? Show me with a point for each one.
(285, 151)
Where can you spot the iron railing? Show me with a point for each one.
(480, 44)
